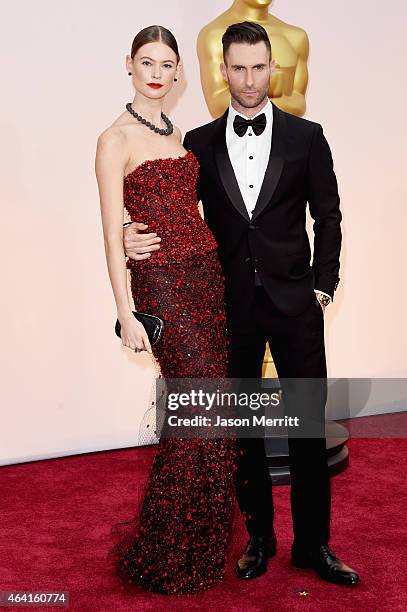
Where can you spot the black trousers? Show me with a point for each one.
(298, 350)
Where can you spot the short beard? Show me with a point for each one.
(253, 102)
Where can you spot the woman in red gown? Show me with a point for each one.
(177, 542)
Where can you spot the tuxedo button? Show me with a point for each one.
(246, 259)
(251, 186)
(250, 156)
(251, 226)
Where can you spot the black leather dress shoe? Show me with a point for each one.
(328, 566)
(258, 551)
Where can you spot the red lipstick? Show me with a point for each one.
(154, 85)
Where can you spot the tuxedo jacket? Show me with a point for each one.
(274, 240)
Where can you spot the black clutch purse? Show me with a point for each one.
(153, 325)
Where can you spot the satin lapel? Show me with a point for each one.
(275, 163)
(225, 168)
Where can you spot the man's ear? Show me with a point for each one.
(222, 68)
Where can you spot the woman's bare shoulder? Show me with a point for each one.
(110, 136)
(112, 146)
(118, 129)
(117, 138)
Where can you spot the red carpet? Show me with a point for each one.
(57, 516)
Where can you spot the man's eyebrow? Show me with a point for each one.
(150, 58)
(241, 66)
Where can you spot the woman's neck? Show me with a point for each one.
(149, 109)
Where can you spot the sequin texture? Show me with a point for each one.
(161, 193)
(177, 543)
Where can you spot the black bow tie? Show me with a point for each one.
(240, 124)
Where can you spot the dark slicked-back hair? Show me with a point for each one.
(154, 33)
(247, 32)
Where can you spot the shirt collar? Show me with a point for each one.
(267, 110)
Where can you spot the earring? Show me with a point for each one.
(129, 73)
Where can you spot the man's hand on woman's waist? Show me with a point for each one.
(139, 245)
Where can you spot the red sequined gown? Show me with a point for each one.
(177, 543)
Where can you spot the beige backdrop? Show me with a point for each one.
(68, 386)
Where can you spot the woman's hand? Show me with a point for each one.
(134, 335)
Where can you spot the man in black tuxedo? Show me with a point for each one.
(259, 166)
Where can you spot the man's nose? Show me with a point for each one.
(249, 78)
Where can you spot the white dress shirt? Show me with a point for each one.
(249, 156)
